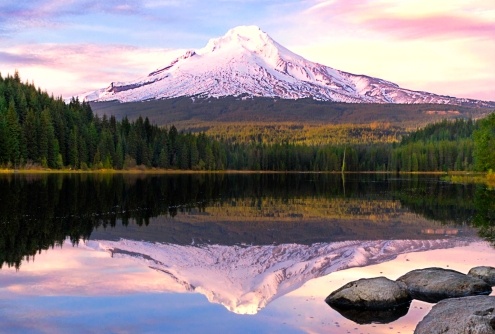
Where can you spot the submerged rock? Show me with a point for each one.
(474, 315)
(378, 293)
(485, 273)
(434, 284)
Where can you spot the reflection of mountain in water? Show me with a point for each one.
(40, 211)
(246, 279)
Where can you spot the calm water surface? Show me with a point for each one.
(224, 252)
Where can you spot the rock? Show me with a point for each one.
(365, 316)
(434, 284)
(474, 315)
(485, 273)
(378, 293)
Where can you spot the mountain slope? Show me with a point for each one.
(247, 62)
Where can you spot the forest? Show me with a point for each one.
(40, 131)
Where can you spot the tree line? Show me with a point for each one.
(39, 130)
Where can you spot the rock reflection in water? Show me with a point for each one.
(362, 317)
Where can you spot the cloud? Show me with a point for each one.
(7, 58)
(444, 26)
(416, 19)
(69, 70)
(16, 16)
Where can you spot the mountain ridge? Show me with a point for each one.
(246, 62)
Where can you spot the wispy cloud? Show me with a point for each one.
(411, 19)
(440, 26)
(72, 69)
(16, 16)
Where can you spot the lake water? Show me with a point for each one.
(245, 253)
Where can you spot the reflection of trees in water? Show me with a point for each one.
(40, 211)
(463, 204)
(484, 218)
(440, 201)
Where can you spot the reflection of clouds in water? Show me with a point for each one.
(82, 271)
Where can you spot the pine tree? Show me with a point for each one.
(31, 128)
(73, 148)
(484, 144)
(13, 135)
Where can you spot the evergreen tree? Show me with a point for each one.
(484, 141)
(13, 135)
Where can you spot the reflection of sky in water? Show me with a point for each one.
(134, 313)
(81, 290)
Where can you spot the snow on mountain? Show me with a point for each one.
(246, 279)
(248, 62)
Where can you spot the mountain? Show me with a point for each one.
(245, 279)
(247, 62)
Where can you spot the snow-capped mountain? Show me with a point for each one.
(248, 62)
(246, 279)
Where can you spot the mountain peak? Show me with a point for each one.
(246, 31)
(251, 38)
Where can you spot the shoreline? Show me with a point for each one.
(183, 171)
(460, 177)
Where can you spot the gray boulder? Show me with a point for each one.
(473, 315)
(434, 284)
(485, 273)
(372, 294)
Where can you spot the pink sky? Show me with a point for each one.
(444, 47)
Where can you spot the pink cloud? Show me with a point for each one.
(433, 26)
(416, 21)
(69, 70)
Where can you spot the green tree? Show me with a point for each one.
(31, 129)
(13, 135)
(73, 148)
(484, 144)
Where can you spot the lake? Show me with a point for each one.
(200, 253)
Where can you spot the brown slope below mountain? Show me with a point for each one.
(190, 113)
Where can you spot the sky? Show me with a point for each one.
(68, 47)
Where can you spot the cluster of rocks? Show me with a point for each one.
(463, 302)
